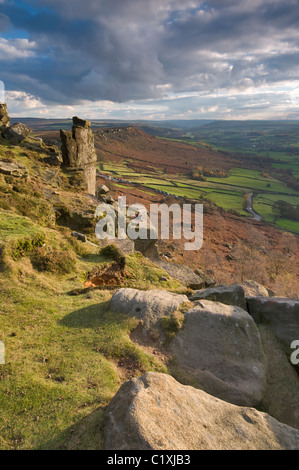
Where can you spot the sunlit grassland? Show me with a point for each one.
(287, 224)
(63, 351)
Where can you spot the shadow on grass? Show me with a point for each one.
(87, 317)
(94, 258)
(86, 434)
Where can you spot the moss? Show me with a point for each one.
(171, 325)
(24, 247)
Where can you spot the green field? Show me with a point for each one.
(227, 193)
(266, 153)
(290, 225)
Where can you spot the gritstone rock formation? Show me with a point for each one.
(14, 134)
(155, 412)
(149, 306)
(221, 347)
(4, 118)
(78, 151)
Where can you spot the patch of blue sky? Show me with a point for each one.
(15, 33)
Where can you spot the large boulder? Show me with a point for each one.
(16, 133)
(220, 347)
(155, 412)
(281, 315)
(281, 397)
(234, 294)
(183, 274)
(148, 306)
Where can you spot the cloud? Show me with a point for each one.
(2, 92)
(135, 50)
(16, 49)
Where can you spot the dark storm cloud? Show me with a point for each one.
(123, 50)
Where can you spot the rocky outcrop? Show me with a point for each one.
(253, 289)
(126, 246)
(183, 274)
(154, 412)
(103, 189)
(78, 151)
(235, 294)
(148, 247)
(280, 315)
(16, 133)
(148, 306)
(281, 396)
(220, 346)
(13, 169)
(4, 118)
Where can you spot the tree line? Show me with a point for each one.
(285, 210)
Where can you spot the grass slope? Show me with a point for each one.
(66, 355)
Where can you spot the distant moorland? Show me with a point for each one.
(222, 161)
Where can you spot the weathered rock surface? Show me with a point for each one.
(80, 236)
(229, 295)
(148, 248)
(281, 398)
(220, 346)
(234, 294)
(126, 246)
(109, 199)
(4, 118)
(78, 151)
(280, 314)
(103, 189)
(16, 133)
(83, 123)
(154, 412)
(183, 274)
(253, 289)
(209, 281)
(148, 306)
(13, 169)
(74, 217)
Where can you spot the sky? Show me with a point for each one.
(150, 59)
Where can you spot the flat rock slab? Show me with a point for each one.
(148, 306)
(221, 347)
(234, 294)
(183, 274)
(281, 315)
(13, 169)
(155, 412)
